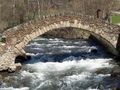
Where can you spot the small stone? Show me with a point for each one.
(0, 77)
(117, 58)
(101, 87)
(115, 72)
(21, 59)
(118, 86)
(18, 66)
(93, 50)
(102, 71)
(12, 69)
(1, 80)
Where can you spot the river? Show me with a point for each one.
(58, 64)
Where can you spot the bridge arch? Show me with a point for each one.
(18, 37)
(98, 34)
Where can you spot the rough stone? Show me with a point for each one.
(67, 33)
(14, 37)
(103, 71)
(115, 72)
(12, 69)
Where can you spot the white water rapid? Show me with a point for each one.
(58, 64)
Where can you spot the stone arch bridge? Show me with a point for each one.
(17, 37)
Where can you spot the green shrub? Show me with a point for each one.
(116, 19)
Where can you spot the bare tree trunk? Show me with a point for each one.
(38, 5)
(27, 9)
(13, 9)
(0, 12)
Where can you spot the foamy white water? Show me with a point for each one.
(61, 65)
(73, 74)
(11, 88)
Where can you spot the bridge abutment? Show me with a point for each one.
(7, 62)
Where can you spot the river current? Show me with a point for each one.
(58, 64)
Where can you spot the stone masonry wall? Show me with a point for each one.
(67, 33)
(18, 37)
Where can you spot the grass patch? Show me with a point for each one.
(116, 19)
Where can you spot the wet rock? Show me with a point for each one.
(1, 80)
(93, 50)
(115, 72)
(15, 67)
(102, 71)
(1, 83)
(117, 59)
(3, 39)
(0, 77)
(8, 80)
(100, 87)
(28, 57)
(118, 86)
(18, 66)
(12, 69)
(21, 59)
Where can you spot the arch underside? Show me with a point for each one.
(99, 34)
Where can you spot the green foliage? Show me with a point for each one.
(116, 19)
